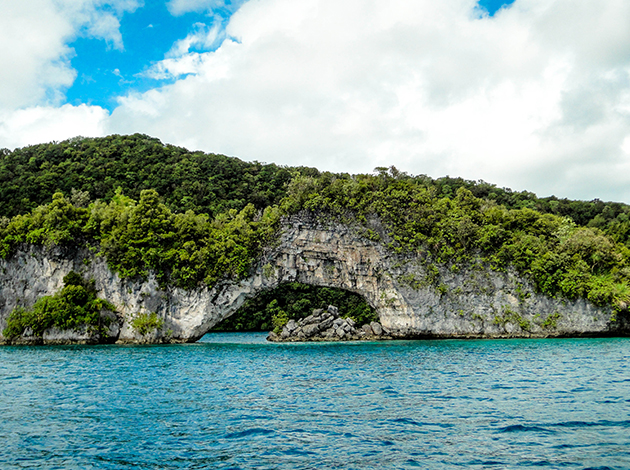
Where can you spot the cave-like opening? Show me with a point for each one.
(294, 300)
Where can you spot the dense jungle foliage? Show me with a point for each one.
(204, 183)
(136, 237)
(211, 184)
(74, 306)
(195, 218)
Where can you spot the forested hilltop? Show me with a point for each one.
(204, 183)
(211, 184)
(198, 219)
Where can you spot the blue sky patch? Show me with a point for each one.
(104, 73)
(492, 6)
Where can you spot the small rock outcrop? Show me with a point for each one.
(327, 325)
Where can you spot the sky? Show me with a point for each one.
(526, 94)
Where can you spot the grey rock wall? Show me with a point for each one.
(412, 297)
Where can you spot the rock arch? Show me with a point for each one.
(411, 297)
(313, 252)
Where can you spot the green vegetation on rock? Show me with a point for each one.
(84, 168)
(204, 183)
(560, 257)
(145, 323)
(182, 249)
(75, 306)
(196, 219)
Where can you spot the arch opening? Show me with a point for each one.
(295, 300)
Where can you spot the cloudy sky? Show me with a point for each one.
(527, 94)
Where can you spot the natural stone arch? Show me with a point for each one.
(297, 301)
(315, 253)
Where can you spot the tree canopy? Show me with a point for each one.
(195, 219)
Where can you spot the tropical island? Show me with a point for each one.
(125, 239)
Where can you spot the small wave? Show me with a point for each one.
(414, 463)
(296, 451)
(503, 464)
(324, 432)
(547, 464)
(569, 446)
(413, 422)
(586, 424)
(406, 421)
(568, 424)
(485, 463)
(249, 432)
(522, 428)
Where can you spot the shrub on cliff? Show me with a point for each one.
(73, 307)
(145, 323)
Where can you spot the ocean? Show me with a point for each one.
(235, 401)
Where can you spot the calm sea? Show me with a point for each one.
(235, 401)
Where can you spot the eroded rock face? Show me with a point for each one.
(411, 297)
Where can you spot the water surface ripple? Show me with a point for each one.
(234, 401)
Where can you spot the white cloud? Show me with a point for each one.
(36, 67)
(34, 35)
(98, 19)
(535, 97)
(181, 59)
(201, 37)
(33, 55)
(173, 68)
(180, 7)
(46, 123)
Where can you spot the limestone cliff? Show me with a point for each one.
(413, 298)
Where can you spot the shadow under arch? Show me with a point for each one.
(296, 300)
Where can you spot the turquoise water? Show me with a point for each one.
(235, 401)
